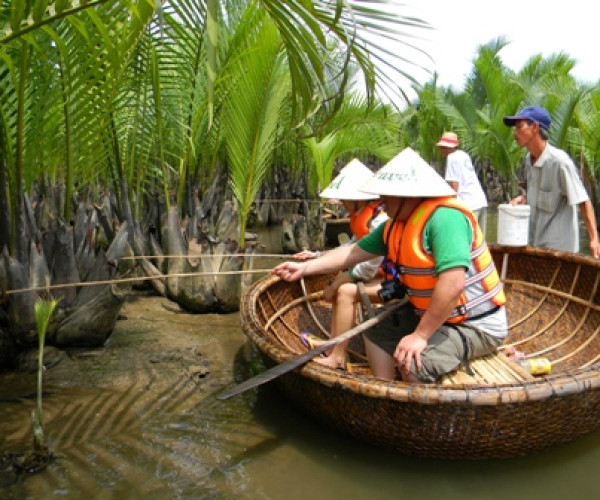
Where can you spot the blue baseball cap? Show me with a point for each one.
(533, 113)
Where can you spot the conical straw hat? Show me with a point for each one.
(345, 185)
(408, 175)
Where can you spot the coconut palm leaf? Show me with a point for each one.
(360, 30)
(190, 138)
(25, 17)
(140, 135)
(358, 129)
(252, 115)
(499, 93)
(73, 72)
(584, 136)
(563, 115)
(424, 121)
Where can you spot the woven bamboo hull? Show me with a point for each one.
(554, 311)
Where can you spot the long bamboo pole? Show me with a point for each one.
(133, 279)
(159, 276)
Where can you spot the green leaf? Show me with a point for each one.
(17, 14)
(212, 22)
(62, 5)
(39, 9)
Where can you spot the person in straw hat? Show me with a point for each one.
(462, 177)
(366, 213)
(441, 261)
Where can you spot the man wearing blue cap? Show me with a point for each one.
(554, 188)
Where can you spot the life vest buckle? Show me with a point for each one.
(461, 310)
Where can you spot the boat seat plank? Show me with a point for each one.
(494, 369)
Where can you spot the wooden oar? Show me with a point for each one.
(287, 366)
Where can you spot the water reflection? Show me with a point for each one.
(324, 464)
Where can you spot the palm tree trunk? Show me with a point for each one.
(18, 243)
(68, 153)
(4, 205)
(159, 127)
(124, 198)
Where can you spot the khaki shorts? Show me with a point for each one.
(445, 350)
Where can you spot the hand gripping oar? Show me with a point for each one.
(287, 366)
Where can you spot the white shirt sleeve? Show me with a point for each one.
(453, 169)
(572, 185)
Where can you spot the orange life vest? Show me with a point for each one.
(416, 266)
(361, 219)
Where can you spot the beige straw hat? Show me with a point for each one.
(346, 185)
(448, 140)
(408, 175)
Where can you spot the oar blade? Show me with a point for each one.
(287, 366)
(272, 373)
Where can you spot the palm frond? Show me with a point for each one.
(76, 64)
(361, 32)
(252, 115)
(358, 130)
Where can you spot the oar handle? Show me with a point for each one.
(287, 366)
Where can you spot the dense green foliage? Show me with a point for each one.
(139, 96)
(493, 91)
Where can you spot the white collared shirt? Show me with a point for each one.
(459, 168)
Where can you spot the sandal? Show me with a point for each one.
(309, 341)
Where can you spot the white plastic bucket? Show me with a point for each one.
(513, 225)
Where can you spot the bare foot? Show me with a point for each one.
(333, 361)
(336, 358)
(311, 341)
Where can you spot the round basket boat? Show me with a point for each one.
(501, 411)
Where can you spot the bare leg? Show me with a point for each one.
(409, 377)
(343, 319)
(382, 364)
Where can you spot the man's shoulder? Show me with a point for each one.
(445, 217)
(554, 154)
(459, 154)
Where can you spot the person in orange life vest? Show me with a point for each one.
(456, 310)
(366, 213)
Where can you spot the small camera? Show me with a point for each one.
(391, 289)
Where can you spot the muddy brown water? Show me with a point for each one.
(139, 418)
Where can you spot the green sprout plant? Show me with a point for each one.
(37, 459)
(43, 313)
